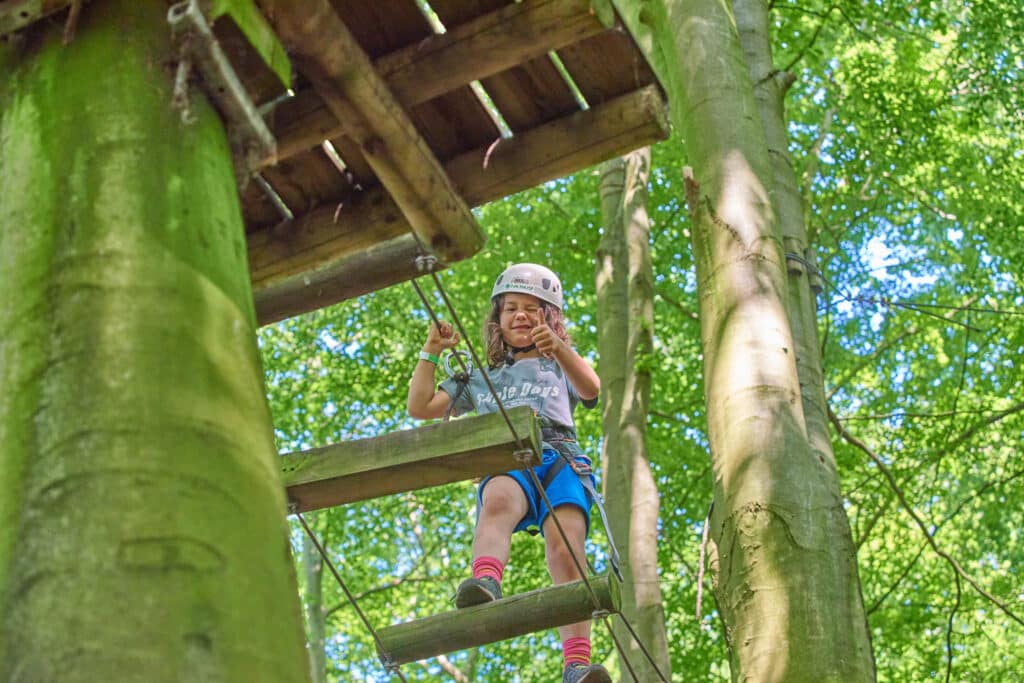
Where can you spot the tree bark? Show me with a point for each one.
(625, 309)
(787, 582)
(753, 20)
(142, 529)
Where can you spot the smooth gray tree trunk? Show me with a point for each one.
(316, 616)
(786, 581)
(625, 311)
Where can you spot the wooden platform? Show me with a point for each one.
(401, 119)
(439, 453)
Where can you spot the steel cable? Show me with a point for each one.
(535, 480)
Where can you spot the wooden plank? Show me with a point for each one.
(561, 147)
(326, 52)
(486, 45)
(283, 266)
(439, 453)
(455, 123)
(17, 14)
(319, 237)
(353, 274)
(606, 66)
(527, 94)
(418, 71)
(307, 181)
(530, 94)
(513, 616)
(450, 124)
(383, 26)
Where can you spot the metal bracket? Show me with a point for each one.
(389, 662)
(524, 456)
(252, 142)
(816, 280)
(426, 263)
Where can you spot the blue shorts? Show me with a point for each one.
(565, 489)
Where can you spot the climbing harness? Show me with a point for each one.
(554, 435)
(526, 448)
(557, 436)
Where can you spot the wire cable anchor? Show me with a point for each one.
(252, 143)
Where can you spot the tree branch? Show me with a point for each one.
(974, 429)
(949, 630)
(899, 580)
(452, 670)
(918, 416)
(854, 441)
(675, 304)
(800, 55)
(963, 503)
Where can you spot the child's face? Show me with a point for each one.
(520, 313)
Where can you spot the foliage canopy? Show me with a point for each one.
(906, 125)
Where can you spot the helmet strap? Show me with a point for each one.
(510, 357)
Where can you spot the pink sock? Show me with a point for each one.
(488, 566)
(576, 650)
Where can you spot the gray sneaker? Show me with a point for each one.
(586, 673)
(477, 592)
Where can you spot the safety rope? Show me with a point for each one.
(389, 663)
(599, 613)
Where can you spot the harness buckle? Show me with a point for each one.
(582, 468)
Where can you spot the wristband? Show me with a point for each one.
(429, 357)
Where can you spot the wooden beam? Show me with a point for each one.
(408, 460)
(17, 14)
(323, 236)
(327, 53)
(485, 46)
(283, 261)
(561, 147)
(355, 273)
(513, 616)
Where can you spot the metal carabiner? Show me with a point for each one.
(467, 361)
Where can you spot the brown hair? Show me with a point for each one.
(497, 349)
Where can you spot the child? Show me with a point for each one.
(532, 363)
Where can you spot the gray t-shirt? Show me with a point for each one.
(536, 382)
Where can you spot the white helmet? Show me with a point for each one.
(529, 278)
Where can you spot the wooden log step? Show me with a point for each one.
(408, 460)
(513, 616)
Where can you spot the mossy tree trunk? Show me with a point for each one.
(787, 581)
(142, 528)
(625, 307)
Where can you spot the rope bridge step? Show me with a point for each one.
(513, 616)
(407, 460)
